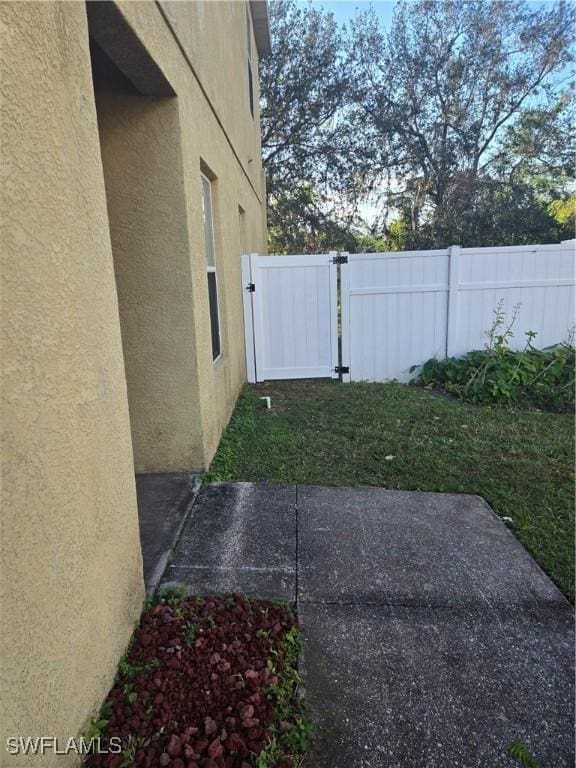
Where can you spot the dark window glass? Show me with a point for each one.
(214, 321)
(250, 88)
(211, 265)
(249, 50)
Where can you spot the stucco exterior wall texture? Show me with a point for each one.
(218, 134)
(79, 412)
(142, 162)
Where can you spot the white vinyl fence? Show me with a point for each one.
(399, 309)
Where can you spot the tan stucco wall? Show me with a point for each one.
(142, 161)
(216, 32)
(227, 140)
(71, 572)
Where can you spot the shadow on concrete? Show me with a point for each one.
(164, 504)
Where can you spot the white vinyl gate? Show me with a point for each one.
(290, 316)
(398, 309)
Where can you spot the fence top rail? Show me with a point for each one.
(295, 255)
(564, 245)
(397, 254)
(297, 260)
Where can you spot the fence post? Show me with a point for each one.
(257, 316)
(345, 356)
(453, 300)
(249, 340)
(333, 287)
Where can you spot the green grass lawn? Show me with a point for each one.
(391, 435)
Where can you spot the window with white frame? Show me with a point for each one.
(249, 50)
(211, 265)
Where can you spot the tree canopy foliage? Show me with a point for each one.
(309, 149)
(453, 125)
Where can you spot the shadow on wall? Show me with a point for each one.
(142, 163)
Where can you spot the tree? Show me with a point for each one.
(539, 146)
(456, 118)
(310, 144)
(448, 91)
(511, 214)
(297, 224)
(564, 214)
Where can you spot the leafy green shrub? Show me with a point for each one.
(528, 377)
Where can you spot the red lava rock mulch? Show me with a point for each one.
(190, 692)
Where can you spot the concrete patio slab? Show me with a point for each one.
(431, 637)
(240, 537)
(369, 545)
(164, 501)
(411, 687)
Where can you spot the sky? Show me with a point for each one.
(344, 10)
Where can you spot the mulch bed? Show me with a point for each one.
(191, 691)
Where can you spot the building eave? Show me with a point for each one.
(259, 10)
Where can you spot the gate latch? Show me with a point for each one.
(340, 260)
(342, 369)
(251, 287)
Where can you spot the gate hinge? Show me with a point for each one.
(342, 369)
(340, 260)
(251, 287)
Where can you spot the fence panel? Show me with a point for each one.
(539, 280)
(400, 309)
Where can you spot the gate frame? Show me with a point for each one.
(251, 304)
